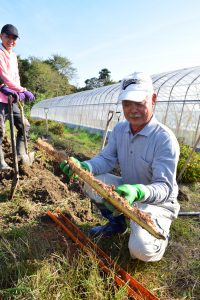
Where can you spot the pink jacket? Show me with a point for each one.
(9, 72)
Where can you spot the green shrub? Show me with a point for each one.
(56, 128)
(53, 127)
(37, 122)
(192, 171)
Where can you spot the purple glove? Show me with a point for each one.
(29, 96)
(8, 92)
(21, 96)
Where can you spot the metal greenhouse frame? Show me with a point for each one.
(177, 106)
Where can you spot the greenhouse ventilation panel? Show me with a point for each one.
(177, 106)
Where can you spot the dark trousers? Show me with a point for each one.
(17, 121)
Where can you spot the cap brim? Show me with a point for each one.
(135, 96)
(11, 33)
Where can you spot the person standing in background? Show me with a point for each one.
(10, 85)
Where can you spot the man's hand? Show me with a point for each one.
(8, 92)
(21, 96)
(29, 96)
(131, 193)
(26, 95)
(68, 171)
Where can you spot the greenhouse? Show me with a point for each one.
(177, 106)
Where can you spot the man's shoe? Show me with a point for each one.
(114, 226)
(4, 166)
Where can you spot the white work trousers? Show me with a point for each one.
(142, 245)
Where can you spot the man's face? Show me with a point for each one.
(9, 41)
(138, 114)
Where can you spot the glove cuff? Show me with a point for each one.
(145, 192)
(89, 166)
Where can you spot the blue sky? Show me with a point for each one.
(124, 36)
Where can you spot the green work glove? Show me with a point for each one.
(131, 193)
(64, 166)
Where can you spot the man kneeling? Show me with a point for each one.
(147, 153)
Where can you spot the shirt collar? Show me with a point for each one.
(4, 49)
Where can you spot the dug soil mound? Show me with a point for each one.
(41, 187)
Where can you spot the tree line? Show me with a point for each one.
(51, 77)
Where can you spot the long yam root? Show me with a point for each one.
(105, 191)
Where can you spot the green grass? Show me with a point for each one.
(30, 271)
(74, 140)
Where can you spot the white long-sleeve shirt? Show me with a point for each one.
(149, 157)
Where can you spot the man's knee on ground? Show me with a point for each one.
(146, 250)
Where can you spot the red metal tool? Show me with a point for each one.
(121, 277)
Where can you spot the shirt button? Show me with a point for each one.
(131, 151)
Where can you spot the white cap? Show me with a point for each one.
(136, 87)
